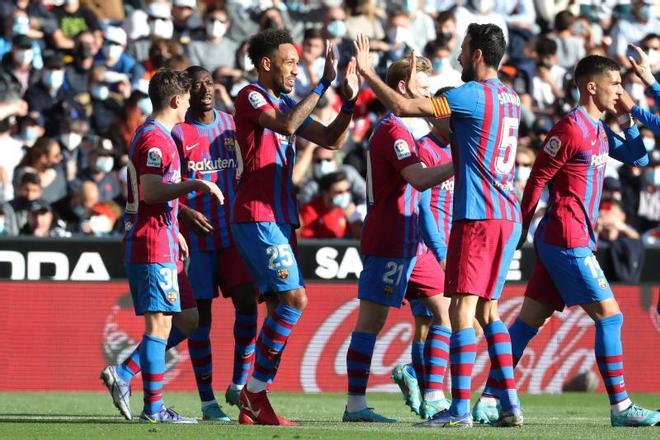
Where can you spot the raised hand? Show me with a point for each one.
(362, 57)
(351, 83)
(624, 104)
(643, 68)
(411, 83)
(330, 67)
(183, 247)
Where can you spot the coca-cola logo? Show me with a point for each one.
(122, 332)
(562, 350)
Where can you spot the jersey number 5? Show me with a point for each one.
(508, 143)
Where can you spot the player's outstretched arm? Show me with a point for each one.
(423, 178)
(333, 136)
(643, 67)
(629, 150)
(155, 191)
(400, 105)
(288, 123)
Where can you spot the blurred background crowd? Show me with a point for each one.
(76, 74)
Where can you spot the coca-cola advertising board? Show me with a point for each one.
(58, 336)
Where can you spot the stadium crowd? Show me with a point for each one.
(74, 77)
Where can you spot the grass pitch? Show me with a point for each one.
(91, 416)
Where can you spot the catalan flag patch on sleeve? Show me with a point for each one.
(441, 107)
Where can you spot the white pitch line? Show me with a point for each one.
(37, 418)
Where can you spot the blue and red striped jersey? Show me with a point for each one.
(391, 228)
(208, 152)
(572, 163)
(484, 118)
(435, 209)
(265, 192)
(151, 230)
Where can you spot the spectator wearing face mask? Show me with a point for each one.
(632, 29)
(398, 37)
(19, 62)
(48, 97)
(71, 141)
(30, 128)
(44, 159)
(480, 12)
(324, 162)
(106, 104)
(421, 23)
(216, 50)
(331, 214)
(147, 28)
(444, 74)
(334, 29)
(115, 59)
(19, 23)
(101, 171)
(624, 255)
(649, 196)
(525, 158)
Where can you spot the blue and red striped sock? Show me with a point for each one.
(272, 338)
(521, 334)
(152, 359)
(462, 354)
(358, 362)
(609, 355)
(245, 334)
(201, 356)
(501, 382)
(131, 365)
(417, 354)
(436, 357)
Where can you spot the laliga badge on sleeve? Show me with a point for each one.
(552, 146)
(256, 99)
(401, 149)
(154, 157)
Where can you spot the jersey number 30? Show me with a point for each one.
(508, 143)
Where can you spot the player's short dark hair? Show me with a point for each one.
(400, 69)
(194, 70)
(266, 42)
(326, 182)
(594, 65)
(546, 46)
(564, 20)
(490, 39)
(165, 85)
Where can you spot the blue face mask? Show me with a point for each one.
(440, 64)
(652, 176)
(145, 106)
(644, 13)
(337, 28)
(21, 26)
(342, 200)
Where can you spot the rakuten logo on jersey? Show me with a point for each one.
(211, 166)
(448, 185)
(599, 160)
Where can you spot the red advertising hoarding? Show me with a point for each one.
(59, 336)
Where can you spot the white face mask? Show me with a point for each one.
(342, 200)
(398, 34)
(654, 59)
(246, 63)
(324, 167)
(652, 176)
(104, 164)
(162, 28)
(100, 92)
(649, 143)
(522, 173)
(71, 140)
(216, 29)
(23, 57)
(113, 51)
(145, 106)
(54, 79)
(483, 6)
(636, 91)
